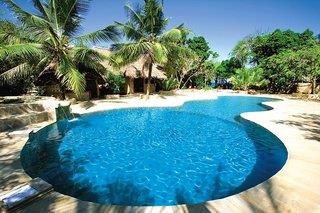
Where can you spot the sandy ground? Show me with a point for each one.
(296, 188)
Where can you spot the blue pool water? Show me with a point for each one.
(160, 156)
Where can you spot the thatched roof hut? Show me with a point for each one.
(134, 70)
(137, 70)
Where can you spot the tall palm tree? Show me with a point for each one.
(144, 31)
(50, 43)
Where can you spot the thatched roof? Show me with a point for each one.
(106, 52)
(136, 69)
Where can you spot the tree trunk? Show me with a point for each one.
(63, 92)
(149, 79)
(314, 85)
(189, 78)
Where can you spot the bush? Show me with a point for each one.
(115, 83)
(199, 82)
(170, 84)
(247, 78)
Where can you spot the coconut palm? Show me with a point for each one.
(50, 42)
(144, 31)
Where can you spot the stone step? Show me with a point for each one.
(15, 122)
(8, 110)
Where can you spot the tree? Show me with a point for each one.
(181, 65)
(282, 71)
(51, 44)
(267, 45)
(288, 68)
(12, 34)
(286, 57)
(196, 68)
(227, 68)
(201, 48)
(144, 31)
(242, 51)
(309, 65)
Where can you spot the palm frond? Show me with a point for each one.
(89, 58)
(128, 53)
(153, 17)
(175, 35)
(70, 76)
(160, 53)
(39, 6)
(130, 31)
(16, 73)
(24, 16)
(23, 51)
(9, 33)
(70, 14)
(110, 33)
(134, 15)
(75, 81)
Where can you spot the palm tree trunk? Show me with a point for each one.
(63, 92)
(149, 79)
(314, 85)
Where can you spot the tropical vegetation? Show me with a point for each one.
(285, 58)
(147, 38)
(47, 42)
(248, 78)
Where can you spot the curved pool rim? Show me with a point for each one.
(264, 104)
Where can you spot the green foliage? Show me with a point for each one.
(170, 84)
(280, 70)
(286, 57)
(227, 68)
(210, 68)
(246, 78)
(115, 82)
(264, 46)
(199, 82)
(190, 62)
(289, 67)
(242, 52)
(182, 59)
(145, 37)
(201, 47)
(206, 76)
(310, 61)
(43, 42)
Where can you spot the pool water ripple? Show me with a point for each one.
(160, 156)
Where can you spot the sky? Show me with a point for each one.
(222, 22)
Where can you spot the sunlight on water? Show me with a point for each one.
(191, 154)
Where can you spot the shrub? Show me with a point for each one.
(170, 84)
(115, 83)
(200, 82)
(246, 78)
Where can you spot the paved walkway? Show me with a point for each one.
(296, 188)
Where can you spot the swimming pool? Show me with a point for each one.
(198, 152)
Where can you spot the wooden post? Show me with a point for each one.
(130, 85)
(98, 90)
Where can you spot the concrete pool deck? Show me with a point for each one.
(296, 188)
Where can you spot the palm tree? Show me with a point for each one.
(49, 43)
(144, 31)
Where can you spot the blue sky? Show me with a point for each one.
(221, 22)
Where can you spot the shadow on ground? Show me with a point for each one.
(11, 172)
(309, 123)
